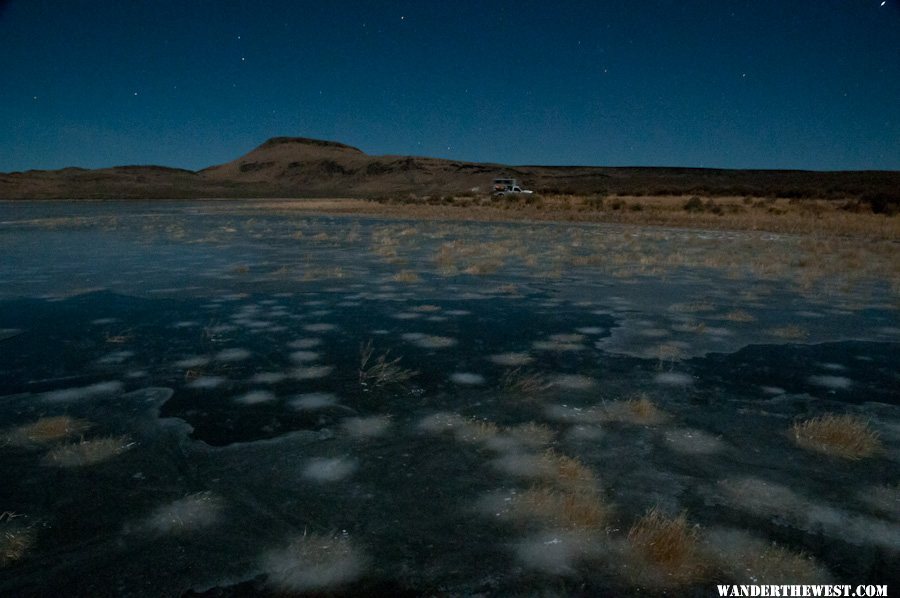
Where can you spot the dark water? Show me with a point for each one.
(217, 348)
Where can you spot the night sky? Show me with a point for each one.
(811, 84)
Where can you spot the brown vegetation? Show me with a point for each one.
(381, 371)
(15, 540)
(524, 384)
(578, 510)
(844, 436)
(47, 429)
(638, 410)
(667, 547)
(87, 452)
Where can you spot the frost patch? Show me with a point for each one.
(367, 427)
(323, 470)
(467, 378)
(555, 552)
(304, 356)
(693, 442)
(321, 327)
(206, 382)
(433, 342)
(115, 357)
(82, 392)
(305, 343)
(268, 377)
(255, 397)
(673, 379)
(831, 382)
(192, 362)
(511, 359)
(311, 372)
(313, 562)
(573, 382)
(314, 400)
(232, 355)
(194, 512)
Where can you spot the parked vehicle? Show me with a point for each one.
(502, 187)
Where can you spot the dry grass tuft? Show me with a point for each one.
(745, 558)
(381, 371)
(639, 410)
(14, 544)
(739, 315)
(88, 452)
(47, 429)
(532, 434)
(475, 430)
(789, 332)
(312, 274)
(407, 276)
(568, 473)
(524, 384)
(844, 436)
(667, 545)
(579, 510)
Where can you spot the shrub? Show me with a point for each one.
(844, 436)
(882, 203)
(694, 204)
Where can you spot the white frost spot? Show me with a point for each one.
(192, 362)
(523, 465)
(311, 372)
(322, 469)
(555, 552)
(230, 355)
(193, 512)
(304, 356)
(268, 377)
(367, 427)
(467, 378)
(206, 382)
(673, 379)
(440, 422)
(591, 330)
(83, 392)
(573, 381)
(511, 359)
(321, 327)
(693, 442)
(254, 397)
(115, 357)
(314, 400)
(831, 382)
(434, 342)
(312, 563)
(305, 343)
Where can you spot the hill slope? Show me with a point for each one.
(301, 167)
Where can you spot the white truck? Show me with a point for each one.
(503, 187)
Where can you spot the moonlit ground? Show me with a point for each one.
(181, 404)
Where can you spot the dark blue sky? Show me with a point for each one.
(730, 83)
